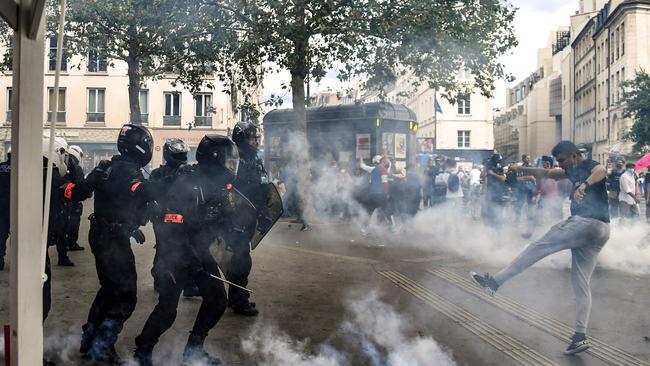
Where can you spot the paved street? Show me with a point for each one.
(326, 298)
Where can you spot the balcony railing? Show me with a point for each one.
(203, 121)
(60, 117)
(171, 120)
(95, 117)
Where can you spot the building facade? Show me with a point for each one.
(463, 130)
(609, 48)
(531, 122)
(94, 104)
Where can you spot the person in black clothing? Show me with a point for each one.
(204, 208)
(175, 155)
(250, 180)
(614, 185)
(75, 209)
(585, 233)
(121, 196)
(495, 182)
(430, 173)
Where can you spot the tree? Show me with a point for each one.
(636, 104)
(155, 38)
(378, 40)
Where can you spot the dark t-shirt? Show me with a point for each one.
(496, 189)
(594, 204)
(614, 180)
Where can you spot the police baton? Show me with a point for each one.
(230, 283)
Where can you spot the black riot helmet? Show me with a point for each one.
(175, 152)
(217, 151)
(244, 131)
(495, 162)
(135, 142)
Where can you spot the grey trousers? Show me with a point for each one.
(585, 237)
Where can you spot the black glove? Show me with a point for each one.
(138, 236)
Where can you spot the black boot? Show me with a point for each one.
(87, 338)
(247, 309)
(75, 247)
(103, 345)
(142, 357)
(65, 262)
(195, 353)
(2, 263)
(143, 352)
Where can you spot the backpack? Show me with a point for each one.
(453, 183)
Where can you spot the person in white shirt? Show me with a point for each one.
(627, 196)
(454, 190)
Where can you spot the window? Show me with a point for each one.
(60, 116)
(203, 110)
(618, 43)
(463, 138)
(10, 104)
(172, 115)
(97, 61)
(52, 56)
(144, 105)
(618, 85)
(464, 104)
(611, 48)
(96, 106)
(622, 39)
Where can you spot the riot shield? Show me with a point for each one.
(269, 210)
(242, 212)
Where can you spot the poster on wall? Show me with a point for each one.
(425, 145)
(400, 146)
(363, 145)
(388, 144)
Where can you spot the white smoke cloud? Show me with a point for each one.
(64, 344)
(380, 331)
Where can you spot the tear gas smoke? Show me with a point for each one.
(63, 344)
(379, 330)
(337, 195)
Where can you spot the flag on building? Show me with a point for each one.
(437, 106)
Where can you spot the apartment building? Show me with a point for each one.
(461, 130)
(531, 122)
(610, 48)
(94, 104)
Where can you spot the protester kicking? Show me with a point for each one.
(585, 232)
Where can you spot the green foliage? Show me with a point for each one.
(376, 40)
(162, 35)
(636, 103)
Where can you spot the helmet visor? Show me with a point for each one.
(232, 164)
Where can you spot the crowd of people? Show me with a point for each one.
(490, 191)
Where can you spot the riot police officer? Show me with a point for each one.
(121, 195)
(74, 209)
(250, 179)
(204, 208)
(175, 156)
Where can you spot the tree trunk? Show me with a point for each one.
(299, 145)
(133, 63)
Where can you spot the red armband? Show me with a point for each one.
(173, 218)
(68, 191)
(135, 186)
